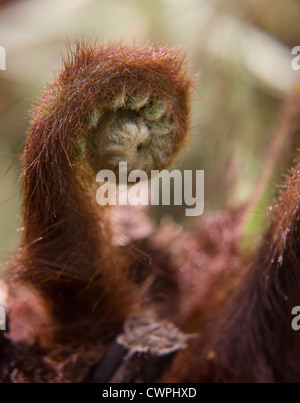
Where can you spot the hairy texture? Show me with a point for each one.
(244, 323)
(107, 105)
(100, 294)
(247, 336)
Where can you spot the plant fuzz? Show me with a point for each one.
(165, 305)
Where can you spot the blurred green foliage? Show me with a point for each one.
(234, 114)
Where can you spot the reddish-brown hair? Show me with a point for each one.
(67, 255)
(70, 284)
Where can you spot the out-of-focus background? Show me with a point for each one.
(240, 50)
